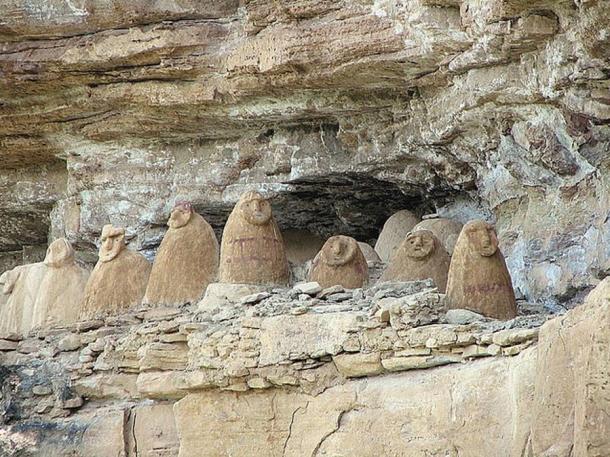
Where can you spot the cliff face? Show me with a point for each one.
(287, 376)
(346, 110)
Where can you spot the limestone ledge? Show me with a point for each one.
(261, 340)
(284, 373)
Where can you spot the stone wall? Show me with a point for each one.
(285, 373)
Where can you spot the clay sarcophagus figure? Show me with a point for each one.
(394, 231)
(340, 262)
(62, 288)
(187, 260)
(446, 230)
(252, 249)
(478, 277)
(420, 256)
(19, 290)
(119, 278)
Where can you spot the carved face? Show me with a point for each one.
(59, 253)
(419, 244)
(180, 216)
(255, 209)
(113, 242)
(339, 250)
(482, 237)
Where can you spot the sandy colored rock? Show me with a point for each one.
(345, 419)
(154, 431)
(358, 365)
(572, 409)
(252, 248)
(446, 230)
(105, 435)
(119, 278)
(340, 262)
(478, 277)
(318, 334)
(61, 289)
(393, 233)
(420, 256)
(20, 289)
(10, 312)
(369, 253)
(301, 245)
(187, 259)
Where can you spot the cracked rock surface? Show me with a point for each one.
(345, 111)
(255, 378)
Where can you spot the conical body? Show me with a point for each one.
(187, 261)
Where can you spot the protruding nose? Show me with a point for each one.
(486, 239)
(418, 242)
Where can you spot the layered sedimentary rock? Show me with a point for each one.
(269, 380)
(349, 111)
(346, 112)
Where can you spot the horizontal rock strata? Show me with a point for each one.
(291, 373)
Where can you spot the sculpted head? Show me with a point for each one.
(482, 237)
(339, 250)
(254, 208)
(59, 253)
(113, 242)
(420, 244)
(181, 214)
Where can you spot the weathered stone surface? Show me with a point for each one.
(318, 334)
(462, 316)
(358, 365)
(105, 435)
(478, 277)
(572, 382)
(219, 294)
(446, 230)
(394, 232)
(419, 256)
(62, 288)
(340, 262)
(119, 278)
(348, 110)
(154, 431)
(309, 288)
(262, 381)
(252, 249)
(277, 424)
(186, 262)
